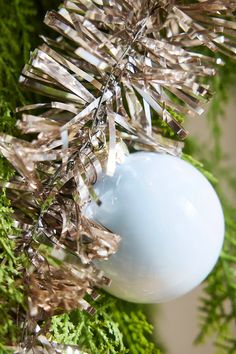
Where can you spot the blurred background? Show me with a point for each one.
(176, 322)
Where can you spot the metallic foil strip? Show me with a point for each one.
(47, 348)
(192, 27)
(166, 116)
(210, 6)
(111, 159)
(72, 67)
(49, 66)
(85, 113)
(37, 124)
(48, 90)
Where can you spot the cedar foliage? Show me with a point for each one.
(15, 39)
(118, 327)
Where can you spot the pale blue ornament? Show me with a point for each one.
(171, 223)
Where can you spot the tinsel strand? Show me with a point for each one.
(115, 67)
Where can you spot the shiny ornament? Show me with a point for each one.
(171, 223)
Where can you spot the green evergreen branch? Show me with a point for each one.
(215, 117)
(16, 24)
(218, 306)
(117, 327)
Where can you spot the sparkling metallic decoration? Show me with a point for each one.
(115, 67)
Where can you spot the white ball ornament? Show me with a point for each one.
(171, 223)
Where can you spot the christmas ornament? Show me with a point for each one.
(116, 67)
(171, 223)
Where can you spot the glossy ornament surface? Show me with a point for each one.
(171, 223)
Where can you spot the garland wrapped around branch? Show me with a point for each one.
(117, 67)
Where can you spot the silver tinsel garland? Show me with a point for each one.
(115, 66)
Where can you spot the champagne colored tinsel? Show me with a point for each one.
(115, 67)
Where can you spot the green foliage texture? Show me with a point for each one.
(117, 327)
(15, 39)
